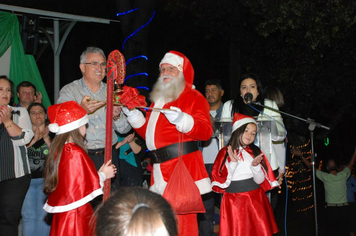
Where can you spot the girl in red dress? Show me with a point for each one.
(243, 174)
(71, 180)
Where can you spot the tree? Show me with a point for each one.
(303, 47)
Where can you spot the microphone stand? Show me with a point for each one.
(311, 128)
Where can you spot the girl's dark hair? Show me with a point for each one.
(274, 94)
(238, 104)
(36, 104)
(54, 157)
(235, 142)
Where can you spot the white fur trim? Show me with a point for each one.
(102, 178)
(54, 128)
(173, 60)
(73, 205)
(151, 126)
(239, 123)
(204, 185)
(228, 177)
(138, 121)
(159, 184)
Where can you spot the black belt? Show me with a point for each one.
(337, 204)
(172, 151)
(242, 186)
(96, 152)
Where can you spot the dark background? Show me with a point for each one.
(315, 72)
(305, 48)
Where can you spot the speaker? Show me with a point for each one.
(29, 33)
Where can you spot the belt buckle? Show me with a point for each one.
(97, 153)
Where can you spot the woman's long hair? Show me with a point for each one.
(238, 104)
(54, 157)
(274, 94)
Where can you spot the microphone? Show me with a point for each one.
(248, 98)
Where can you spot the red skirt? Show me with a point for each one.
(247, 213)
(77, 222)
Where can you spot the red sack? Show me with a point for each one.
(181, 191)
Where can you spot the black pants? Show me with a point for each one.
(338, 220)
(205, 220)
(130, 176)
(99, 161)
(115, 182)
(12, 195)
(274, 193)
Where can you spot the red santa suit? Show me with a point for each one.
(159, 133)
(78, 184)
(245, 209)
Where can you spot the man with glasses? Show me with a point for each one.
(90, 92)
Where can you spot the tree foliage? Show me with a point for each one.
(306, 48)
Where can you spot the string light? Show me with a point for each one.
(142, 87)
(126, 12)
(299, 180)
(127, 77)
(141, 56)
(123, 44)
(305, 209)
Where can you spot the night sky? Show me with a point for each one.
(208, 56)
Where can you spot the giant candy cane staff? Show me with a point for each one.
(116, 71)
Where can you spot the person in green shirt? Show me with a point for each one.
(337, 207)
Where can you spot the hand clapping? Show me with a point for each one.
(257, 160)
(232, 154)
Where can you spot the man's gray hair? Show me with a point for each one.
(83, 57)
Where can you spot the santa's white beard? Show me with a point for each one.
(167, 91)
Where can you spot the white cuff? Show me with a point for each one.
(256, 169)
(102, 177)
(138, 121)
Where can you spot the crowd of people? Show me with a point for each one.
(52, 168)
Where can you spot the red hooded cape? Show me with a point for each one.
(219, 173)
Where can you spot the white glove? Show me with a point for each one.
(174, 116)
(131, 114)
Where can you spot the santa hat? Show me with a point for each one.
(240, 120)
(65, 117)
(173, 59)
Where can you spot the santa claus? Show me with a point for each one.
(177, 119)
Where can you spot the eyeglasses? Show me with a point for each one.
(95, 64)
